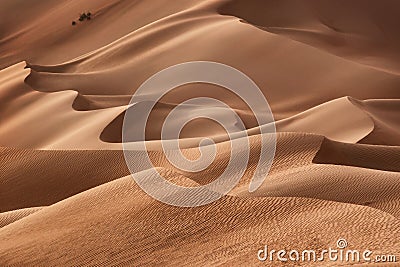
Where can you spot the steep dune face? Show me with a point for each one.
(331, 121)
(329, 70)
(24, 125)
(363, 31)
(385, 114)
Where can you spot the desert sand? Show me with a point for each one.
(329, 70)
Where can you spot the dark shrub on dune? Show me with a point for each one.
(82, 17)
(85, 16)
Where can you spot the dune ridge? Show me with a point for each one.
(352, 129)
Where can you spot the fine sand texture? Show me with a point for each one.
(331, 74)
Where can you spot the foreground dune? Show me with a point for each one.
(330, 73)
(100, 227)
(369, 204)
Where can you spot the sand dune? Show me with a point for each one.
(23, 117)
(384, 113)
(206, 35)
(371, 39)
(329, 70)
(326, 120)
(60, 105)
(7, 218)
(145, 232)
(52, 31)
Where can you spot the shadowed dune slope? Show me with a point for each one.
(7, 218)
(366, 32)
(31, 178)
(33, 119)
(385, 158)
